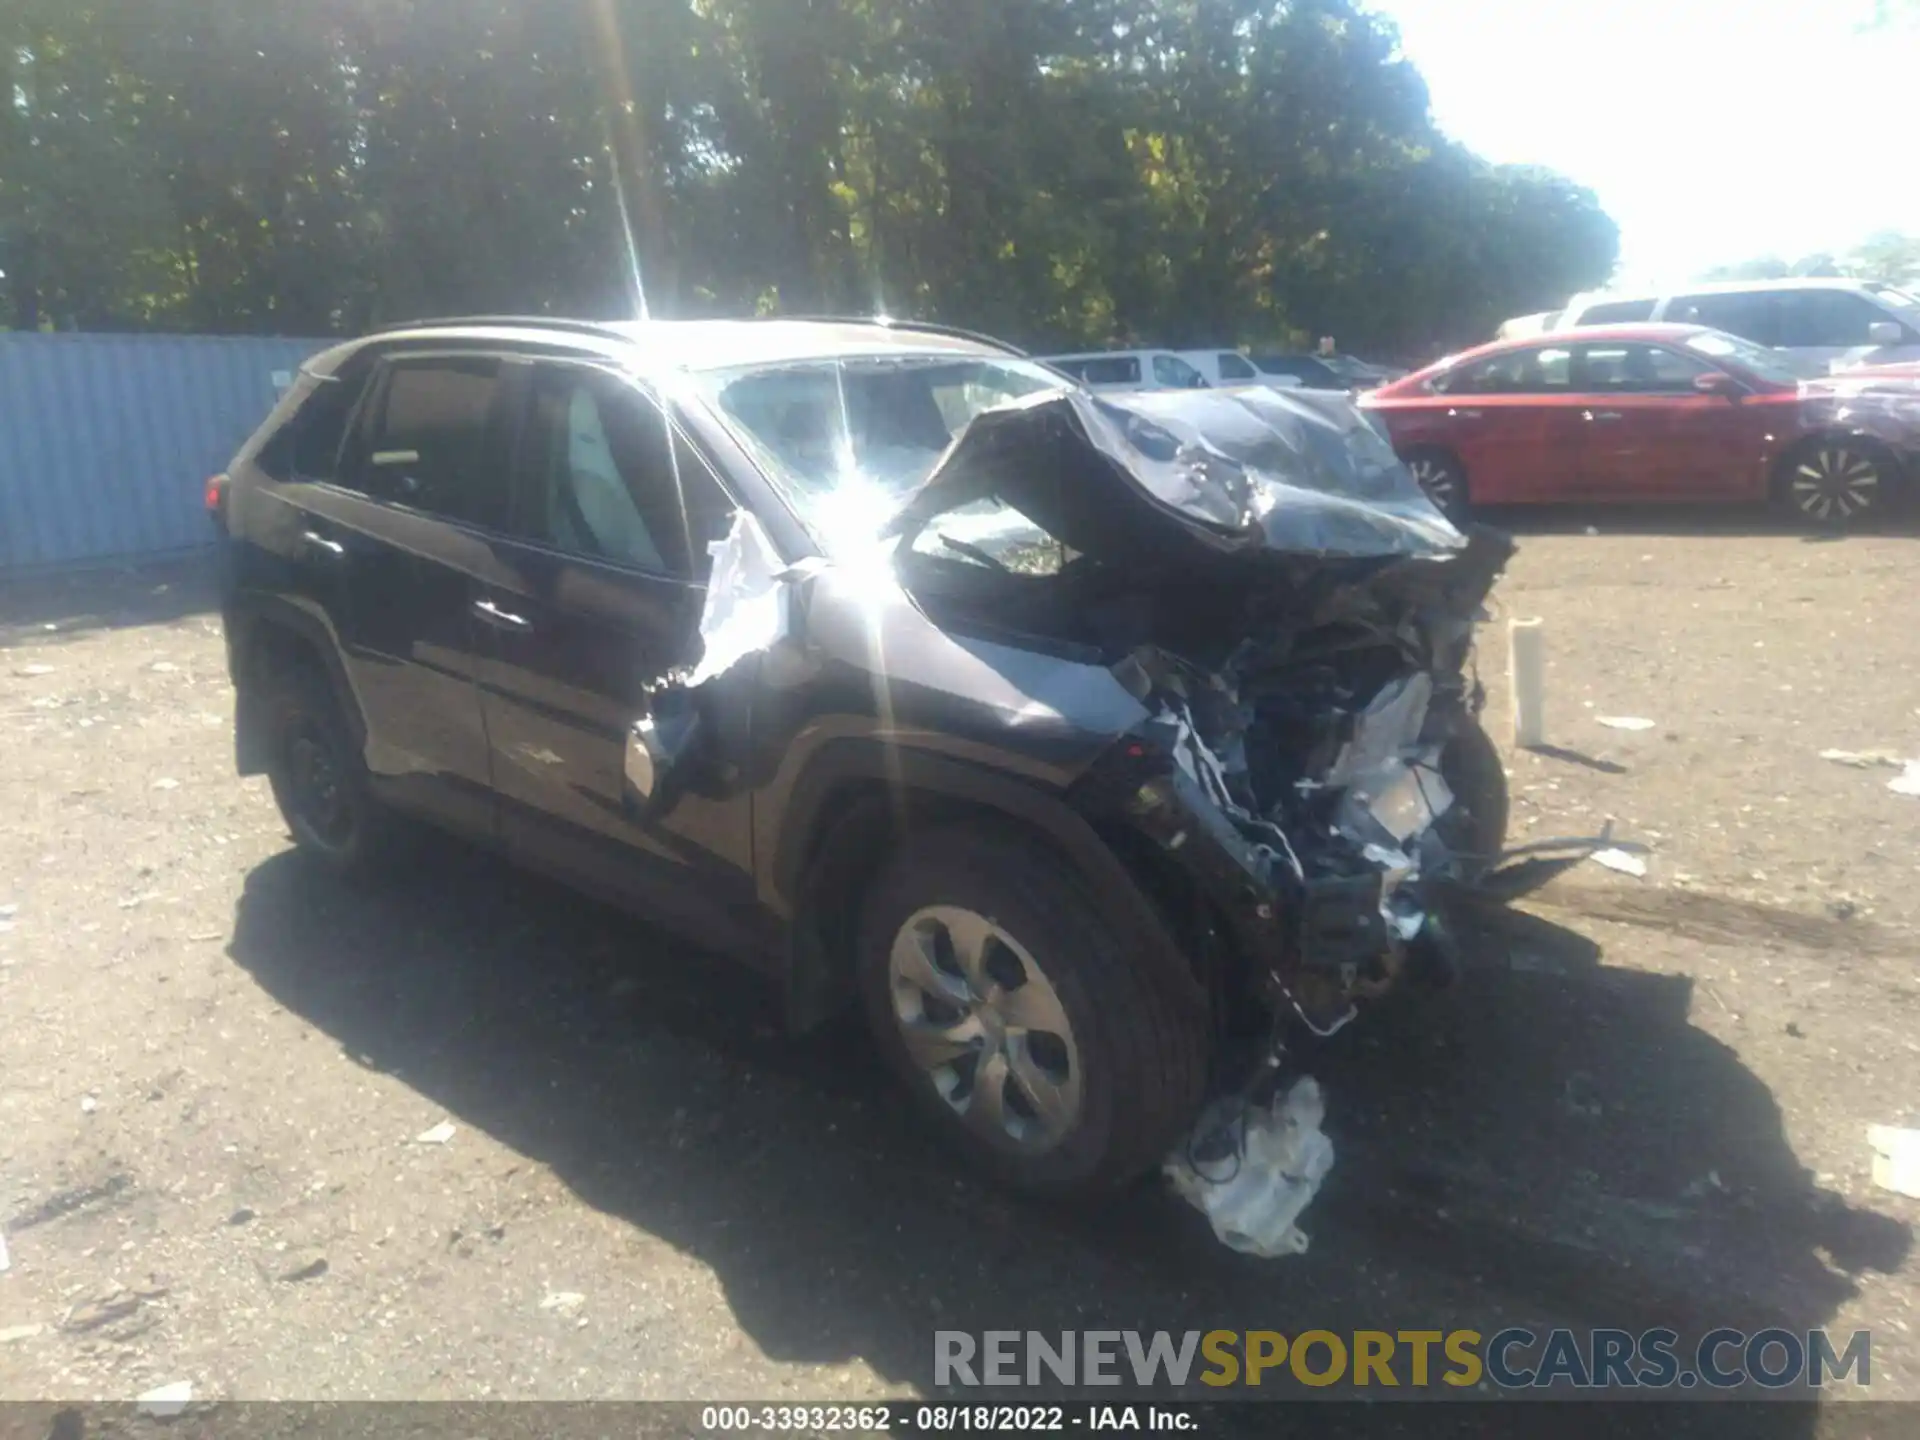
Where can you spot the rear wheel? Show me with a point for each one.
(318, 777)
(1029, 1031)
(1833, 482)
(1443, 479)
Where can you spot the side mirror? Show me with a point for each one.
(1718, 382)
(1886, 332)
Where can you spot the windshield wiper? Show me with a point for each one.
(972, 552)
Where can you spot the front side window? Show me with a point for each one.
(1768, 364)
(605, 479)
(1176, 374)
(1638, 369)
(428, 441)
(1826, 319)
(1235, 367)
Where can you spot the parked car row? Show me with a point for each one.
(1828, 324)
(1652, 413)
(1199, 369)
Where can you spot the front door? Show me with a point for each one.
(1651, 436)
(600, 593)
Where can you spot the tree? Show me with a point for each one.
(1889, 257)
(1063, 172)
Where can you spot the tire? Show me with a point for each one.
(1836, 482)
(1471, 766)
(1097, 1073)
(318, 776)
(1443, 480)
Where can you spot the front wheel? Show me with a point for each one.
(1443, 479)
(1027, 1028)
(1836, 482)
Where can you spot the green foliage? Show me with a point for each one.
(1061, 172)
(1889, 257)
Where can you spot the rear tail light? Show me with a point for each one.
(217, 497)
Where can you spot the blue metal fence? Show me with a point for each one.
(106, 441)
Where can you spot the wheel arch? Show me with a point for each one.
(264, 635)
(860, 799)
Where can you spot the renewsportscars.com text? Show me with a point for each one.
(1511, 1359)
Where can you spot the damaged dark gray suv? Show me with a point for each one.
(1087, 745)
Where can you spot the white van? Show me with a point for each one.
(1129, 370)
(1161, 369)
(1230, 367)
(1832, 324)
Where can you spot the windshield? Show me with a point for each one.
(849, 440)
(1775, 365)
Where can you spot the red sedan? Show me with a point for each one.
(1642, 413)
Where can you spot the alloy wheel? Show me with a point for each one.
(1834, 483)
(1438, 481)
(985, 1024)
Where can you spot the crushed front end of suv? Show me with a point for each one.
(1091, 745)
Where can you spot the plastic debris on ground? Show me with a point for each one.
(1907, 782)
(1269, 1168)
(1896, 1159)
(167, 1401)
(438, 1135)
(6, 1260)
(563, 1300)
(746, 607)
(1865, 759)
(1625, 722)
(1621, 860)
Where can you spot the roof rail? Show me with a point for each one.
(609, 328)
(893, 322)
(528, 322)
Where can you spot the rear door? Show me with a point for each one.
(599, 593)
(1649, 435)
(1509, 420)
(399, 535)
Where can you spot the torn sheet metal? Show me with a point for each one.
(1173, 477)
(747, 608)
(1253, 1173)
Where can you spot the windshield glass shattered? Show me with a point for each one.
(849, 440)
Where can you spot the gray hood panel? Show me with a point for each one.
(1165, 475)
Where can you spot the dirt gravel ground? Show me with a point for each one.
(467, 1136)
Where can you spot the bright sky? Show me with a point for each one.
(1712, 130)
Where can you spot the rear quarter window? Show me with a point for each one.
(307, 443)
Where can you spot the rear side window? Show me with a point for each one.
(429, 440)
(1617, 312)
(307, 446)
(1748, 314)
(1110, 370)
(1544, 371)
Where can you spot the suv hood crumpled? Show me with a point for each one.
(1159, 477)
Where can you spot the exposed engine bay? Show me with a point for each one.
(1297, 621)
(1313, 755)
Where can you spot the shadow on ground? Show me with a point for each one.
(69, 602)
(1549, 1142)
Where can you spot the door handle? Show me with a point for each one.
(313, 540)
(1600, 415)
(493, 615)
(1463, 414)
